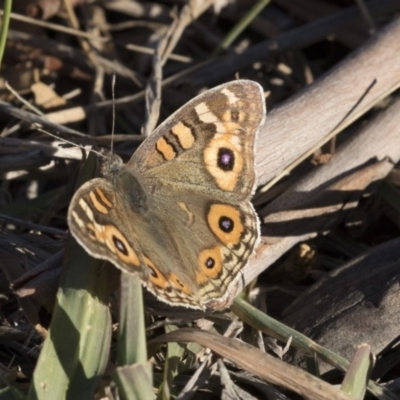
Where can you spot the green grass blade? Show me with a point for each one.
(134, 382)
(241, 26)
(76, 349)
(173, 362)
(356, 379)
(131, 334)
(4, 28)
(134, 376)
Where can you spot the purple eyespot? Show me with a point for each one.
(226, 224)
(226, 159)
(152, 272)
(119, 245)
(210, 262)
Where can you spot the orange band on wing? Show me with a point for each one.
(184, 135)
(165, 149)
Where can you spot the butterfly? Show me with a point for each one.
(179, 212)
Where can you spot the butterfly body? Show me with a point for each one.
(179, 212)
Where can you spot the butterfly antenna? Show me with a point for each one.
(113, 110)
(40, 129)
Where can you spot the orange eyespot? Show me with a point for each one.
(224, 221)
(117, 242)
(210, 264)
(224, 160)
(156, 277)
(178, 283)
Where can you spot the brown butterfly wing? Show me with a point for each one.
(207, 146)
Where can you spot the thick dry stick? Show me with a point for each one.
(301, 123)
(314, 204)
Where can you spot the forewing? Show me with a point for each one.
(207, 146)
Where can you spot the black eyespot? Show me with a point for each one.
(210, 263)
(120, 246)
(152, 272)
(226, 224)
(226, 159)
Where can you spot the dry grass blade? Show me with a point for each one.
(258, 363)
(153, 88)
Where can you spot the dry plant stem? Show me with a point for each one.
(376, 59)
(73, 20)
(20, 157)
(50, 263)
(94, 17)
(32, 118)
(305, 120)
(261, 364)
(189, 13)
(367, 15)
(138, 9)
(31, 225)
(153, 88)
